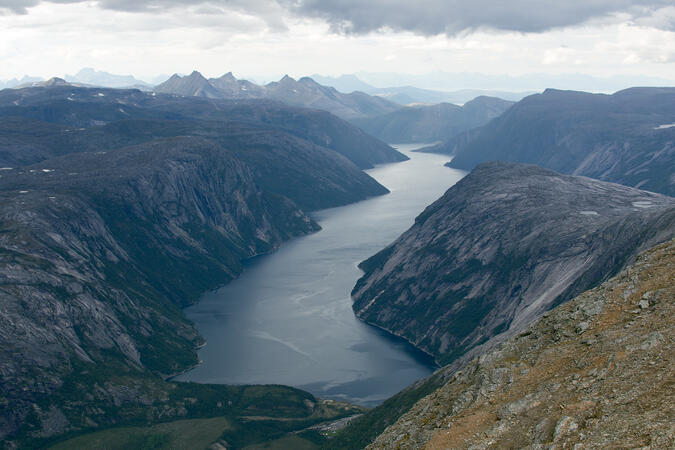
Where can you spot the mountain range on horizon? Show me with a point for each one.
(304, 92)
(433, 87)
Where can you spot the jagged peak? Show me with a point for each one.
(196, 74)
(228, 76)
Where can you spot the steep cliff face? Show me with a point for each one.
(624, 138)
(500, 248)
(595, 372)
(98, 254)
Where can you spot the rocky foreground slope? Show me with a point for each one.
(596, 372)
(500, 248)
(626, 138)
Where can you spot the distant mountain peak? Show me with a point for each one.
(228, 76)
(56, 81)
(192, 85)
(93, 77)
(196, 74)
(306, 92)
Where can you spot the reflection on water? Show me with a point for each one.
(288, 318)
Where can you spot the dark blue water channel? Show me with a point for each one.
(288, 318)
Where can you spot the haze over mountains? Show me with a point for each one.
(421, 123)
(454, 81)
(406, 95)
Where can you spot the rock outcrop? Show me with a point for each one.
(499, 249)
(595, 372)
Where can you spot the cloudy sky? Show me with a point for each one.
(266, 38)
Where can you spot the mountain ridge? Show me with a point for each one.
(304, 92)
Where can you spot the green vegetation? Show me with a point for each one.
(181, 434)
(238, 415)
(285, 443)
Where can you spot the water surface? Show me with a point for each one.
(288, 318)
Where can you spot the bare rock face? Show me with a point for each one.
(499, 249)
(595, 372)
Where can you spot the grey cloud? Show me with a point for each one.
(431, 17)
(426, 17)
(252, 6)
(16, 6)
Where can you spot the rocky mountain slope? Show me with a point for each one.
(100, 251)
(431, 123)
(82, 112)
(595, 373)
(500, 248)
(304, 92)
(626, 138)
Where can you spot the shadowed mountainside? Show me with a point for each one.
(626, 138)
(76, 108)
(431, 123)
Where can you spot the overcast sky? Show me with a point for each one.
(266, 38)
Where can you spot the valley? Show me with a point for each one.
(288, 319)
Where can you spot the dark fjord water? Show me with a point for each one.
(288, 318)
